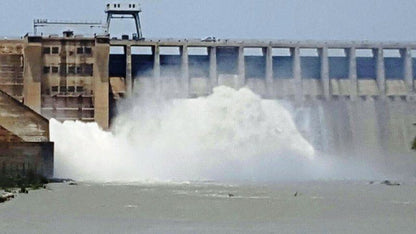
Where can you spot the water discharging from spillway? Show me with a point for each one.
(231, 135)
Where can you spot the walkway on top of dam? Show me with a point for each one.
(265, 43)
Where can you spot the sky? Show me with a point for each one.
(380, 20)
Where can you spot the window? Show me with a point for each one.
(80, 50)
(88, 69)
(80, 89)
(88, 50)
(71, 53)
(46, 50)
(78, 70)
(129, 5)
(63, 89)
(54, 88)
(46, 69)
(55, 69)
(71, 70)
(71, 89)
(118, 5)
(134, 5)
(55, 50)
(115, 5)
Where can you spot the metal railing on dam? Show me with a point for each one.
(273, 69)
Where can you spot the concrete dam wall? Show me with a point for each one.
(351, 98)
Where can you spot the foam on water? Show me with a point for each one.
(229, 135)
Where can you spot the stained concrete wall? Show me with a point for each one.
(22, 121)
(11, 68)
(32, 74)
(20, 158)
(101, 82)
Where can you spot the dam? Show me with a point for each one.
(351, 97)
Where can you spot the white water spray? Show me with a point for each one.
(229, 135)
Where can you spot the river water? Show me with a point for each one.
(195, 207)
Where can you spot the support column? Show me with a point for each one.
(32, 75)
(241, 68)
(267, 52)
(323, 53)
(352, 72)
(297, 74)
(156, 68)
(407, 68)
(129, 81)
(185, 71)
(101, 84)
(381, 79)
(213, 77)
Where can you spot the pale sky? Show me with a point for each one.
(270, 19)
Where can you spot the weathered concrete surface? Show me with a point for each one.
(32, 74)
(101, 53)
(24, 140)
(11, 68)
(22, 121)
(24, 157)
(7, 136)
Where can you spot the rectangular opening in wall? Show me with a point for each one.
(227, 60)
(198, 51)
(366, 64)
(46, 69)
(198, 60)
(253, 51)
(142, 61)
(88, 69)
(116, 50)
(55, 69)
(46, 50)
(338, 64)
(80, 50)
(54, 89)
(282, 63)
(336, 53)
(308, 52)
(170, 62)
(71, 89)
(143, 50)
(88, 50)
(117, 63)
(255, 63)
(168, 50)
(55, 50)
(393, 64)
(71, 69)
(310, 64)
